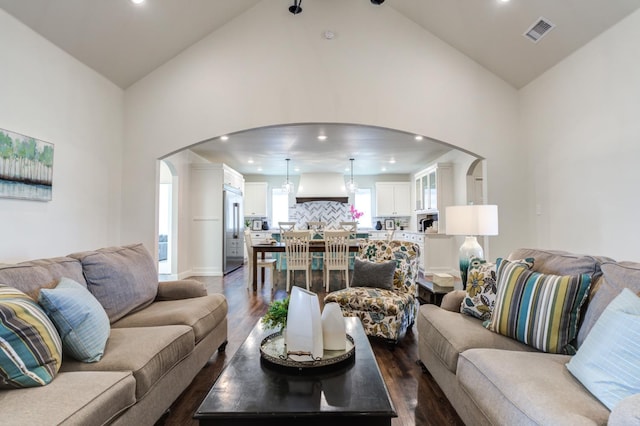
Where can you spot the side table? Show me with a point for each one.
(428, 292)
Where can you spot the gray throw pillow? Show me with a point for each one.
(373, 274)
(123, 279)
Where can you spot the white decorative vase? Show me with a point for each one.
(304, 326)
(334, 334)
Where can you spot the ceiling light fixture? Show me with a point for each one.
(287, 186)
(224, 138)
(352, 186)
(137, 1)
(418, 137)
(296, 8)
(322, 137)
(377, 2)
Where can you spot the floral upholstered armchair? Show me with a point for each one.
(385, 313)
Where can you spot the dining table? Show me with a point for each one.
(316, 246)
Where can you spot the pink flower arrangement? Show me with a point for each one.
(355, 214)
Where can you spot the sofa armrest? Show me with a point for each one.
(627, 412)
(452, 300)
(180, 289)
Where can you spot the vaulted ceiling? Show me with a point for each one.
(125, 41)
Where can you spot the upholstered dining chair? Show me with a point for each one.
(296, 247)
(336, 254)
(262, 263)
(386, 309)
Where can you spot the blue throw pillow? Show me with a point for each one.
(608, 362)
(80, 319)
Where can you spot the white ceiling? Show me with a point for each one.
(124, 42)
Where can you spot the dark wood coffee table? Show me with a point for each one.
(250, 391)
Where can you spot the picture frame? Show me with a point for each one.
(27, 169)
(256, 225)
(389, 224)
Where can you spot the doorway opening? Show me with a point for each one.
(167, 235)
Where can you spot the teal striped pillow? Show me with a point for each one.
(30, 348)
(537, 309)
(80, 319)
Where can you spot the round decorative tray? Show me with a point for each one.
(273, 350)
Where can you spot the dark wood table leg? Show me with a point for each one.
(254, 284)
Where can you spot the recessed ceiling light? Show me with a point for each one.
(392, 161)
(328, 35)
(504, 1)
(224, 138)
(250, 161)
(418, 137)
(322, 138)
(137, 1)
(384, 169)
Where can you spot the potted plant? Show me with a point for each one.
(276, 316)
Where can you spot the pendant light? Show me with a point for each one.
(352, 186)
(287, 186)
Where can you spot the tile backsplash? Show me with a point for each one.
(330, 212)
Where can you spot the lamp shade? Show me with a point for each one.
(479, 219)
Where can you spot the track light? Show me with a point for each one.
(297, 7)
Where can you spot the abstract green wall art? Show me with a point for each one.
(26, 167)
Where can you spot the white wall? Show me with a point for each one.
(268, 67)
(46, 94)
(581, 124)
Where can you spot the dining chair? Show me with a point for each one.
(296, 247)
(284, 227)
(336, 256)
(317, 233)
(262, 263)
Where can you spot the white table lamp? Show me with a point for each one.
(471, 221)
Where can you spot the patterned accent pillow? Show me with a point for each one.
(481, 288)
(608, 362)
(30, 348)
(80, 319)
(537, 309)
(373, 274)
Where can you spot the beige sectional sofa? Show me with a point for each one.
(493, 379)
(161, 336)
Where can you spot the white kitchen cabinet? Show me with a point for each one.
(207, 181)
(436, 251)
(434, 188)
(393, 199)
(233, 178)
(255, 199)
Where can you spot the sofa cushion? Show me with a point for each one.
(30, 347)
(608, 362)
(373, 274)
(203, 314)
(81, 321)
(451, 333)
(616, 276)
(74, 398)
(481, 287)
(123, 279)
(33, 275)
(540, 310)
(557, 262)
(148, 352)
(527, 388)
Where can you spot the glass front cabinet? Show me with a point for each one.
(434, 187)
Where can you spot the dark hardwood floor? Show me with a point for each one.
(417, 398)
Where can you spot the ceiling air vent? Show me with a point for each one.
(539, 28)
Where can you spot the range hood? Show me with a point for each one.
(321, 187)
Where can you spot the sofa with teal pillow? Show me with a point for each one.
(129, 345)
(555, 336)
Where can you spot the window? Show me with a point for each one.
(363, 204)
(279, 206)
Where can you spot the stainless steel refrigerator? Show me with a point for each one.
(233, 249)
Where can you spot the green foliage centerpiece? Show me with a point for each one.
(276, 316)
